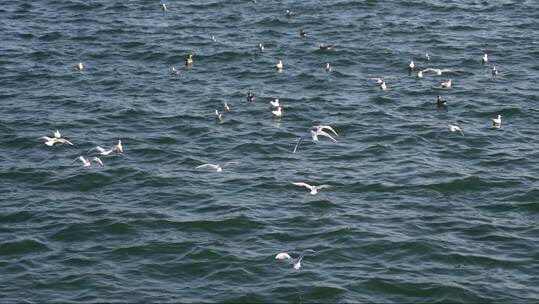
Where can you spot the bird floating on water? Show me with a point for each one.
(163, 7)
(175, 71)
(454, 128)
(275, 103)
(289, 13)
(279, 65)
(217, 168)
(328, 67)
(497, 122)
(250, 97)
(411, 66)
(325, 46)
(225, 105)
(261, 47)
(79, 66)
(485, 58)
(313, 134)
(314, 189)
(295, 262)
(118, 148)
(420, 74)
(383, 85)
(427, 57)
(446, 84)
(88, 162)
(278, 112)
(219, 116)
(440, 101)
(189, 60)
(494, 71)
(56, 139)
(303, 33)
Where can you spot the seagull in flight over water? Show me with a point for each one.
(454, 128)
(118, 148)
(313, 134)
(216, 167)
(88, 162)
(56, 139)
(314, 189)
(295, 262)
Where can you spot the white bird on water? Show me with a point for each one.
(454, 128)
(79, 67)
(314, 189)
(497, 122)
(56, 139)
(278, 112)
(163, 7)
(313, 134)
(279, 65)
(411, 66)
(383, 86)
(427, 57)
(175, 71)
(485, 58)
(261, 47)
(216, 167)
(275, 103)
(295, 262)
(118, 148)
(328, 67)
(446, 84)
(88, 162)
(227, 108)
(219, 116)
(420, 74)
(494, 71)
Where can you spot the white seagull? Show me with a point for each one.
(289, 13)
(279, 65)
(227, 108)
(446, 85)
(494, 71)
(275, 103)
(118, 148)
(411, 66)
(219, 116)
(485, 58)
(295, 262)
(175, 71)
(313, 134)
(88, 162)
(163, 7)
(278, 112)
(79, 67)
(56, 139)
(261, 47)
(497, 122)
(383, 86)
(314, 189)
(328, 67)
(216, 167)
(427, 57)
(437, 71)
(454, 128)
(420, 74)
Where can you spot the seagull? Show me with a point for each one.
(427, 57)
(275, 103)
(213, 38)
(446, 85)
(250, 97)
(437, 71)
(278, 112)
(325, 46)
(227, 108)
(485, 58)
(216, 167)
(302, 33)
(279, 65)
(289, 13)
(79, 67)
(261, 47)
(494, 71)
(497, 122)
(118, 148)
(383, 86)
(313, 134)
(328, 67)
(189, 59)
(314, 189)
(411, 66)
(56, 140)
(219, 116)
(454, 128)
(88, 162)
(379, 80)
(175, 71)
(420, 74)
(295, 262)
(163, 7)
(440, 101)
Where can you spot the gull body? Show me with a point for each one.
(411, 66)
(313, 134)
(175, 71)
(250, 97)
(279, 65)
(295, 262)
(447, 84)
(420, 74)
(313, 189)
(278, 112)
(227, 108)
(219, 116)
(289, 13)
(427, 57)
(485, 58)
(302, 33)
(494, 71)
(79, 66)
(325, 46)
(163, 7)
(440, 101)
(56, 139)
(261, 47)
(383, 86)
(328, 67)
(497, 121)
(454, 128)
(275, 103)
(189, 59)
(88, 162)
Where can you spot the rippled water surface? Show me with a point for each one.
(416, 213)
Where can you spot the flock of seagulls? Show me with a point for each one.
(312, 134)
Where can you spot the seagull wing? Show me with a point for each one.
(323, 186)
(460, 131)
(323, 133)
(79, 158)
(305, 252)
(57, 134)
(329, 128)
(299, 142)
(304, 185)
(98, 160)
(207, 166)
(65, 141)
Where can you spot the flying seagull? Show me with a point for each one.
(314, 189)
(313, 134)
(295, 262)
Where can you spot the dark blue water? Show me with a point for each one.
(416, 213)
